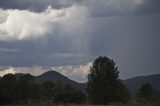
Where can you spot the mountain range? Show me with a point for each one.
(56, 77)
(133, 84)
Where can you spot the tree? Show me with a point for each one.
(69, 95)
(146, 93)
(27, 89)
(8, 88)
(104, 85)
(48, 89)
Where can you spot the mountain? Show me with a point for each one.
(57, 77)
(53, 76)
(133, 84)
(18, 75)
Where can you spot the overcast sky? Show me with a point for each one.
(67, 35)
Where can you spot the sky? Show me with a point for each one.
(68, 35)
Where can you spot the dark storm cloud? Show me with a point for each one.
(35, 5)
(96, 7)
(42, 52)
(149, 6)
(103, 8)
(125, 30)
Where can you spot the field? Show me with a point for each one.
(49, 104)
(80, 105)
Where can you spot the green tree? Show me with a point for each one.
(146, 93)
(104, 85)
(27, 89)
(70, 95)
(48, 89)
(9, 87)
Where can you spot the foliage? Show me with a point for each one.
(146, 93)
(27, 89)
(104, 84)
(69, 95)
(24, 90)
(47, 90)
(8, 88)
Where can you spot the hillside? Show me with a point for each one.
(133, 84)
(57, 77)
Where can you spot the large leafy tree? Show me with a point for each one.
(104, 85)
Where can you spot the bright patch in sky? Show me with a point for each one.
(23, 24)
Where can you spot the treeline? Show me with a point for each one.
(23, 89)
(147, 94)
(103, 87)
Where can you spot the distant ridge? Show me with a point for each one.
(133, 84)
(20, 74)
(52, 76)
(57, 77)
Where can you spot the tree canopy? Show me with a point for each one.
(146, 93)
(24, 88)
(104, 85)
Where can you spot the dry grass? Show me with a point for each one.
(48, 104)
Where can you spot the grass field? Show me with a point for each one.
(81, 105)
(51, 104)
